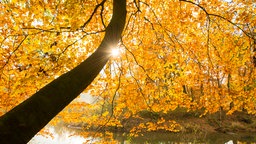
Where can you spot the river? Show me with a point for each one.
(62, 135)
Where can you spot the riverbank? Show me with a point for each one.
(210, 128)
(193, 122)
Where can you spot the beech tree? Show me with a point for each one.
(197, 55)
(21, 123)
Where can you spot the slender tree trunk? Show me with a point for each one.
(20, 124)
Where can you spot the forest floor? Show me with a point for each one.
(210, 128)
(193, 121)
(238, 126)
(218, 122)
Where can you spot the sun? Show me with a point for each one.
(115, 52)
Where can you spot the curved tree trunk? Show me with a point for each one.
(21, 123)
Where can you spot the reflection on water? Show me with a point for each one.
(185, 138)
(63, 135)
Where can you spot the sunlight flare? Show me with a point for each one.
(115, 52)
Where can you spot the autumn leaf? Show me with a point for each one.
(189, 54)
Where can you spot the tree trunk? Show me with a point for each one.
(21, 123)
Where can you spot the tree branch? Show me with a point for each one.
(209, 14)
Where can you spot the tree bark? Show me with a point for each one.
(20, 124)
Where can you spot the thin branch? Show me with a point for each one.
(8, 59)
(208, 40)
(56, 11)
(81, 27)
(137, 5)
(128, 21)
(138, 85)
(52, 30)
(118, 87)
(112, 103)
(138, 63)
(94, 11)
(209, 14)
(101, 16)
(74, 42)
(232, 24)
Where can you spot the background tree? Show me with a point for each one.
(189, 54)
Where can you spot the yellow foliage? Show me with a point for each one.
(172, 54)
